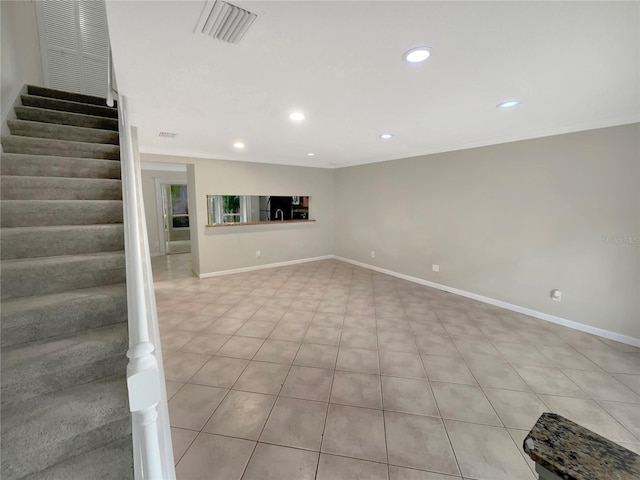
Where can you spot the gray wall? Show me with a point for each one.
(228, 248)
(193, 216)
(509, 221)
(20, 55)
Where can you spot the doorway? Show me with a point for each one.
(175, 217)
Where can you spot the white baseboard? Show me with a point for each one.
(499, 303)
(262, 267)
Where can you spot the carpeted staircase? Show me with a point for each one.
(63, 310)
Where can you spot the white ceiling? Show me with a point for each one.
(573, 65)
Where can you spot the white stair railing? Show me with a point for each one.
(151, 435)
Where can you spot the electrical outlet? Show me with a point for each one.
(257, 253)
(556, 295)
(435, 268)
(373, 254)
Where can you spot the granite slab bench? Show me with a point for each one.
(565, 450)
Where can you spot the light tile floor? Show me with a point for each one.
(329, 371)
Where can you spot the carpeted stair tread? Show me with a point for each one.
(63, 319)
(20, 164)
(23, 213)
(27, 319)
(59, 188)
(28, 128)
(46, 430)
(68, 106)
(37, 368)
(62, 148)
(113, 461)
(39, 276)
(64, 95)
(65, 118)
(48, 241)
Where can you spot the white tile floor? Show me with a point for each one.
(328, 371)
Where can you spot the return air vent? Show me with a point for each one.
(167, 134)
(223, 21)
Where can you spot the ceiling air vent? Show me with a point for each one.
(167, 134)
(224, 21)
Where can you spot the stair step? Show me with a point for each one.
(39, 276)
(65, 118)
(63, 320)
(38, 368)
(26, 213)
(20, 164)
(61, 148)
(28, 128)
(67, 106)
(113, 461)
(49, 429)
(49, 241)
(27, 319)
(59, 188)
(63, 95)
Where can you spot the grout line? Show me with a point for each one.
(326, 416)
(335, 277)
(272, 406)
(384, 418)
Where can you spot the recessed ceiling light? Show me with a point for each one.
(296, 116)
(417, 55)
(386, 136)
(238, 145)
(311, 154)
(508, 104)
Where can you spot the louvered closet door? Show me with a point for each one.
(73, 44)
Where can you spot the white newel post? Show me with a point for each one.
(151, 436)
(110, 101)
(144, 392)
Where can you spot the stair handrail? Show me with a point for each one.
(151, 435)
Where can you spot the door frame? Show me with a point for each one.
(162, 231)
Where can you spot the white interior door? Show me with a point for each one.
(74, 42)
(165, 219)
